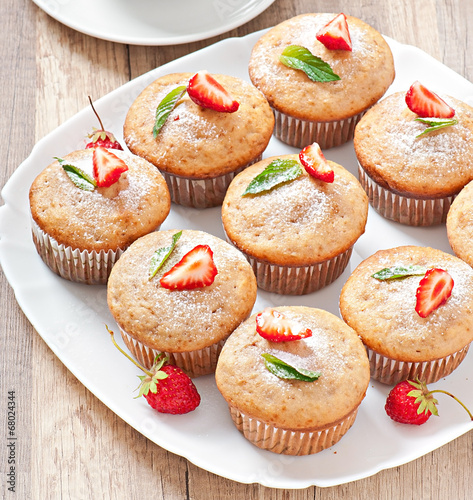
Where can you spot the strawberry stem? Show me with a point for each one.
(123, 352)
(96, 114)
(455, 398)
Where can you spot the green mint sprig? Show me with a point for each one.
(165, 107)
(298, 57)
(435, 124)
(276, 173)
(285, 371)
(161, 255)
(399, 272)
(80, 178)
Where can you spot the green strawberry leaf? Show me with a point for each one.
(161, 255)
(81, 179)
(298, 57)
(399, 272)
(277, 172)
(165, 107)
(435, 124)
(282, 370)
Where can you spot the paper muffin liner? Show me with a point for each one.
(403, 209)
(73, 264)
(194, 363)
(287, 441)
(390, 371)
(201, 193)
(287, 280)
(300, 133)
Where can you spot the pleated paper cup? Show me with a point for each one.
(289, 441)
(201, 193)
(300, 133)
(194, 363)
(73, 264)
(403, 209)
(391, 372)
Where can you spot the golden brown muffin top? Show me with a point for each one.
(334, 350)
(383, 312)
(435, 165)
(197, 142)
(365, 73)
(180, 320)
(103, 219)
(299, 223)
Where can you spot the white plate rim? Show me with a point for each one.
(275, 471)
(57, 9)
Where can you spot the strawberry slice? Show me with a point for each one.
(205, 91)
(426, 104)
(335, 34)
(433, 291)
(315, 164)
(107, 167)
(195, 270)
(275, 326)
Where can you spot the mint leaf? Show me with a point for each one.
(298, 57)
(282, 370)
(435, 124)
(165, 107)
(277, 172)
(77, 176)
(161, 255)
(399, 272)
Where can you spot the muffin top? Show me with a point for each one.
(197, 142)
(105, 218)
(434, 165)
(460, 224)
(334, 350)
(298, 223)
(365, 73)
(180, 320)
(383, 312)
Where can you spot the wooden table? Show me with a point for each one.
(72, 446)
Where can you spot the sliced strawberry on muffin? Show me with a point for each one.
(107, 167)
(275, 326)
(315, 163)
(434, 290)
(335, 34)
(426, 104)
(205, 91)
(195, 270)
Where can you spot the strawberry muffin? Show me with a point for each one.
(320, 73)
(415, 154)
(297, 234)
(199, 131)
(180, 293)
(89, 206)
(413, 309)
(460, 224)
(293, 378)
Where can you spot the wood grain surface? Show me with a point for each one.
(70, 445)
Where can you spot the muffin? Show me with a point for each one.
(299, 235)
(189, 326)
(291, 416)
(402, 344)
(460, 224)
(412, 178)
(80, 233)
(199, 150)
(326, 112)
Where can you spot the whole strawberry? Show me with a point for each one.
(167, 388)
(412, 403)
(101, 137)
